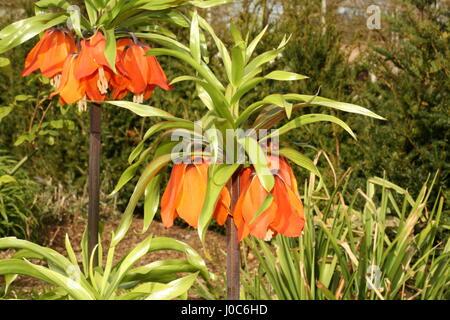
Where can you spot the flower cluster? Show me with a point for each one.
(186, 191)
(81, 72)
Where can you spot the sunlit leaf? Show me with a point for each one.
(284, 76)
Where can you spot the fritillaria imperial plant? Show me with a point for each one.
(256, 193)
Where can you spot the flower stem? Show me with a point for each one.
(94, 178)
(233, 252)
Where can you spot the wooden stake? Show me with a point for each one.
(94, 178)
(233, 252)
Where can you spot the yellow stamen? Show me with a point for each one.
(138, 98)
(269, 235)
(55, 81)
(82, 105)
(102, 83)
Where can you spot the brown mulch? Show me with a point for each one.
(55, 237)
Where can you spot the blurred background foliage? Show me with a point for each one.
(400, 71)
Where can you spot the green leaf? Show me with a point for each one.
(243, 89)
(4, 62)
(173, 289)
(151, 202)
(224, 54)
(264, 206)
(300, 160)
(157, 128)
(4, 111)
(236, 34)
(307, 119)
(126, 176)
(146, 177)
(325, 290)
(26, 24)
(178, 18)
(50, 141)
(218, 176)
(26, 31)
(261, 59)
(92, 11)
(252, 46)
(259, 160)
(160, 271)
(208, 3)
(75, 20)
(7, 179)
(284, 76)
(237, 66)
(19, 266)
(343, 106)
(25, 137)
(163, 40)
(387, 184)
(50, 255)
(143, 110)
(70, 252)
(110, 49)
(85, 252)
(46, 4)
(195, 39)
(163, 243)
(23, 97)
(201, 68)
(278, 100)
(59, 124)
(134, 256)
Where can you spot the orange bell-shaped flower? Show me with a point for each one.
(185, 194)
(93, 68)
(92, 56)
(285, 213)
(50, 53)
(70, 89)
(143, 73)
(86, 75)
(119, 82)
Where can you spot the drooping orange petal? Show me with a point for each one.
(171, 195)
(248, 206)
(192, 194)
(122, 43)
(65, 75)
(120, 67)
(98, 44)
(243, 229)
(71, 90)
(222, 210)
(282, 169)
(261, 226)
(148, 92)
(135, 65)
(118, 94)
(120, 84)
(87, 65)
(257, 195)
(289, 220)
(245, 178)
(55, 57)
(156, 75)
(35, 57)
(92, 90)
